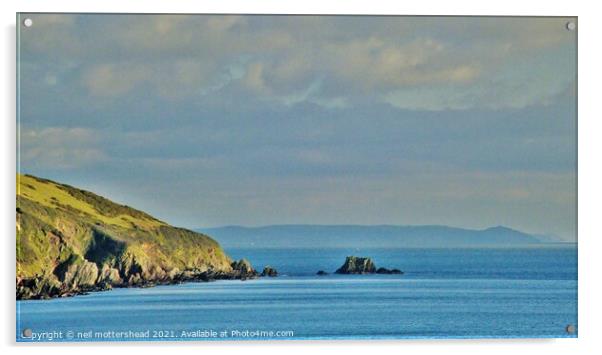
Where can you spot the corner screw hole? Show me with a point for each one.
(571, 26)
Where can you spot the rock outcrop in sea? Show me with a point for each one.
(382, 270)
(269, 271)
(244, 269)
(362, 265)
(357, 265)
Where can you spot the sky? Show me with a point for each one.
(254, 120)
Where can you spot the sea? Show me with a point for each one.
(444, 293)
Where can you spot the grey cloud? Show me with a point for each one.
(206, 120)
(59, 148)
(393, 59)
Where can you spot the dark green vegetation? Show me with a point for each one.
(71, 241)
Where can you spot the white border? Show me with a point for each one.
(590, 177)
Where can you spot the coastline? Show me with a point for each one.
(43, 287)
(202, 277)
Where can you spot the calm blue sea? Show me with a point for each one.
(529, 292)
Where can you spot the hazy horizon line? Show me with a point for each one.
(553, 237)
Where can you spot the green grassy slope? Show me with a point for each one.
(70, 240)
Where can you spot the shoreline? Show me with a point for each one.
(206, 276)
(83, 292)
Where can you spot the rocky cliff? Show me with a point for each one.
(71, 241)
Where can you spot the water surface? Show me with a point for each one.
(530, 292)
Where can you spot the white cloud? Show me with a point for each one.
(522, 82)
(60, 147)
(113, 80)
(177, 79)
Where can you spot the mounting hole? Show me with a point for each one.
(27, 333)
(27, 22)
(570, 329)
(571, 26)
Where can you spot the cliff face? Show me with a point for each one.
(71, 241)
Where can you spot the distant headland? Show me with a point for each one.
(371, 236)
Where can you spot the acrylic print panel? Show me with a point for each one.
(334, 177)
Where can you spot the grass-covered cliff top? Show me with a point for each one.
(89, 205)
(68, 237)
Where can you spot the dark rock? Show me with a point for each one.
(38, 287)
(269, 271)
(243, 270)
(382, 270)
(243, 266)
(361, 265)
(357, 265)
(321, 273)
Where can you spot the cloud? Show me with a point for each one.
(537, 80)
(272, 119)
(391, 59)
(113, 80)
(378, 63)
(60, 148)
(360, 66)
(177, 79)
(51, 34)
(254, 78)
